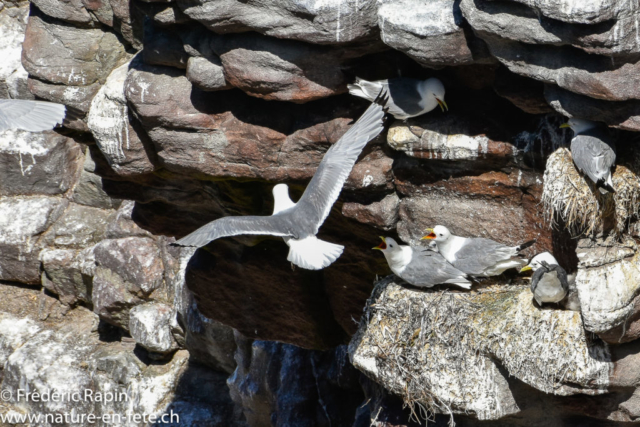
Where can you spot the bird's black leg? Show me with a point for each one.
(411, 129)
(293, 267)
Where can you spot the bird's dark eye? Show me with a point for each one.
(441, 235)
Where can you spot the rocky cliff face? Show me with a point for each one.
(188, 110)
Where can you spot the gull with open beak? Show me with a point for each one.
(407, 97)
(476, 256)
(420, 266)
(550, 282)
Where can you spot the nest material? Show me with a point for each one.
(573, 198)
(440, 350)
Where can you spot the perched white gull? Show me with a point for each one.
(476, 256)
(32, 116)
(407, 97)
(550, 283)
(593, 151)
(298, 223)
(420, 266)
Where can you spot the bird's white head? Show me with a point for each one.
(536, 261)
(393, 252)
(579, 126)
(434, 88)
(281, 199)
(439, 233)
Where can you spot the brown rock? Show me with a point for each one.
(207, 73)
(381, 214)
(38, 163)
(279, 70)
(78, 227)
(127, 271)
(67, 55)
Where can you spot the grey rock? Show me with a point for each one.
(209, 342)
(429, 32)
(517, 22)
(621, 114)
(13, 24)
(525, 93)
(89, 190)
(77, 57)
(281, 385)
(122, 225)
(150, 325)
(110, 123)
(381, 214)
(44, 163)
(170, 15)
(68, 273)
(22, 220)
(607, 283)
(163, 46)
(592, 75)
(207, 73)
(305, 20)
(584, 12)
(15, 332)
(67, 10)
(127, 271)
(78, 227)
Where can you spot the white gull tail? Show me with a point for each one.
(312, 253)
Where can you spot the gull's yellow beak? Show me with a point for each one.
(430, 236)
(526, 268)
(382, 246)
(442, 104)
(564, 126)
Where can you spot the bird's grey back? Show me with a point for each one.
(594, 152)
(479, 254)
(429, 268)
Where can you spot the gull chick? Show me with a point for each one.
(407, 97)
(32, 116)
(550, 283)
(420, 266)
(298, 223)
(476, 256)
(593, 152)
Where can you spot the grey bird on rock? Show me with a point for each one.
(298, 223)
(407, 97)
(550, 282)
(593, 151)
(32, 116)
(476, 256)
(420, 266)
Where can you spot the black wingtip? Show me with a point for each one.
(382, 99)
(526, 245)
(605, 188)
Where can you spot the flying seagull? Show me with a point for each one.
(32, 116)
(476, 256)
(420, 266)
(550, 282)
(593, 151)
(298, 223)
(407, 97)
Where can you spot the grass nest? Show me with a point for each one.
(572, 199)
